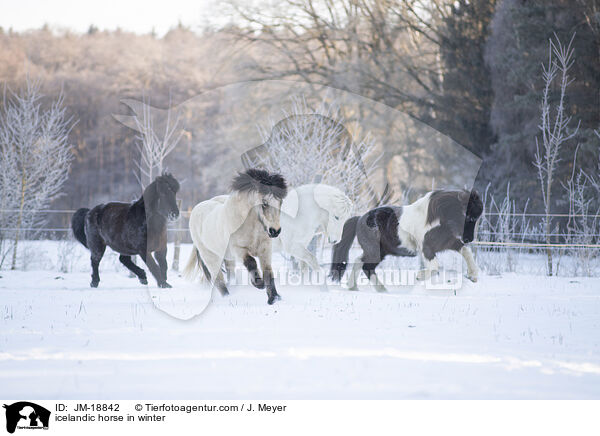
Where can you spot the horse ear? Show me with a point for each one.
(290, 204)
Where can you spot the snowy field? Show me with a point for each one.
(508, 336)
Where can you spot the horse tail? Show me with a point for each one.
(339, 256)
(194, 263)
(191, 268)
(78, 225)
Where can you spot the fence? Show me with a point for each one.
(496, 250)
(58, 225)
(59, 228)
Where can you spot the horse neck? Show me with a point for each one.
(153, 219)
(236, 209)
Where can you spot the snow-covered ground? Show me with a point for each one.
(508, 336)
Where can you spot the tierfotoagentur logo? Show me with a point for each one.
(26, 415)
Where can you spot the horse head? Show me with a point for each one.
(265, 192)
(473, 212)
(160, 196)
(338, 208)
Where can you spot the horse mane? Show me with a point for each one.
(169, 180)
(475, 205)
(343, 202)
(337, 199)
(151, 193)
(447, 205)
(261, 181)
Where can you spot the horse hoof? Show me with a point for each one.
(472, 278)
(94, 284)
(164, 285)
(273, 298)
(144, 281)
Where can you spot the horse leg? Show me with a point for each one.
(369, 270)
(139, 272)
(97, 247)
(437, 239)
(220, 284)
(308, 259)
(161, 259)
(352, 279)
(252, 267)
(96, 257)
(230, 268)
(301, 253)
(472, 270)
(268, 278)
(211, 266)
(154, 269)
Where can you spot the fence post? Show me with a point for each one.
(177, 249)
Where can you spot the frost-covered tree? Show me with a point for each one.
(583, 227)
(554, 127)
(311, 146)
(157, 138)
(36, 157)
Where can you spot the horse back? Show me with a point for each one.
(121, 226)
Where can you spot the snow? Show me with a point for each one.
(507, 336)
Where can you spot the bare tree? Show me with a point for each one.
(155, 143)
(554, 127)
(159, 133)
(36, 157)
(310, 147)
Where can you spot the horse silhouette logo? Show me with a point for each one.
(26, 415)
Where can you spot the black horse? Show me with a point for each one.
(131, 228)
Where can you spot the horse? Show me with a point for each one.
(131, 228)
(306, 211)
(440, 220)
(238, 226)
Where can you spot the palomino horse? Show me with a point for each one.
(239, 226)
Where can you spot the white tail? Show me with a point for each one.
(192, 268)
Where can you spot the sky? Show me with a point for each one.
(140, 16)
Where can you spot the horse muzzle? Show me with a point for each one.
(274, 233)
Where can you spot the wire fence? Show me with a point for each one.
(56, 224)
(60, 218)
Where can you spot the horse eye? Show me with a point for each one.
(337, 218)
(265, 205)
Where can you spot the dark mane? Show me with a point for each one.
(169, 180)
(261, 181)
(447, 206)
(475, 205)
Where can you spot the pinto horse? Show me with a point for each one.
(438, 221)
(131, 228)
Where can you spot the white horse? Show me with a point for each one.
(238, 226)
(307, 211)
